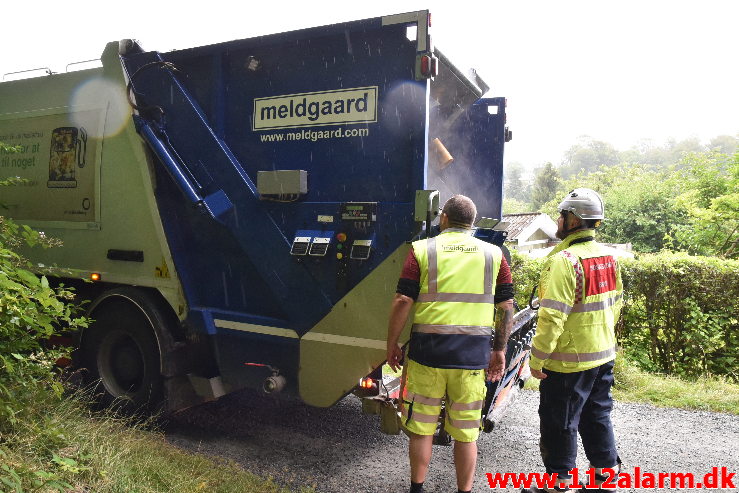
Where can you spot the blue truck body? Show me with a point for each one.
(289, 173)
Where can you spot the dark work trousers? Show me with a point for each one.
(571, 403)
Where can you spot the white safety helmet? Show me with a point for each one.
(584, 203)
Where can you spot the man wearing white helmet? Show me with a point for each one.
(574, 348)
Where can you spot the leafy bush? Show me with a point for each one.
(31, 312)
(681, 314)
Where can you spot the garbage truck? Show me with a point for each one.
(237, 215)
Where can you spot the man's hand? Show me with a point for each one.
(394, 356)
(538, 374)
(496, 366)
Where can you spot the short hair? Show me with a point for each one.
(461, 211)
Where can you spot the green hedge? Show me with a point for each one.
(681, 313)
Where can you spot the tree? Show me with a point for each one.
(647, 152)
(725, 144)
(641, 209)
(639, 204)
(712, 202)
(513, 206)
(684, 147)
(587, 155)
(546, 185)
(515, 188)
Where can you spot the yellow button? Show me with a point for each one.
(339, 255)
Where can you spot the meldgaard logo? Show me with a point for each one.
(355, 105)
(461, 248)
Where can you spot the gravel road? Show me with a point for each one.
(340, 450)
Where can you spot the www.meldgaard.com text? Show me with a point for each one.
(315, 135)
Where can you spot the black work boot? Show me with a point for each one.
(416, 487)
(601, 477)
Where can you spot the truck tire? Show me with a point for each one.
(121, 353)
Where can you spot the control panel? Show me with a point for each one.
(340, 243)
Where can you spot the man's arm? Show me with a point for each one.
(503, 325)
(406, 293)
(557, 295)
(399, 312)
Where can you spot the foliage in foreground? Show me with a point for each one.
(59, 445)
(31, 312)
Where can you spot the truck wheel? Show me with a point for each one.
(121, 354)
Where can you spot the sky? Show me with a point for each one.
(616, 70)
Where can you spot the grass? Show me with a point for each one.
(60, 446)
(635, 385)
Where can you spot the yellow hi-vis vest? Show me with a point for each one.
(453, 316)
(580, 293)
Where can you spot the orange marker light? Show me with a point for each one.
(95, 276)
(341, 237)
(366, 383)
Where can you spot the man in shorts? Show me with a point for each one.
(451, 283)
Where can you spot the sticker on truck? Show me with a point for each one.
(56, 164)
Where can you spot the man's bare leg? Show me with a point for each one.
(465, 459)
(419, 452)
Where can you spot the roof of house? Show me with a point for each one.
(520, 225)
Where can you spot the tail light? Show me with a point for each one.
(367, 387)
(429, 66)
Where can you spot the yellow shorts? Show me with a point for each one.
(462, 390)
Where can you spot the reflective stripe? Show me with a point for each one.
(593, 306)
(257, 329)
(596, 305)
(467, 330)
(455, 298)
(539, 354)
(420, 417)
(345, 340)
(488, 282)
(464, 424)
(556, 305)
(433, 271)
(581, 357)
(422, 399)
(467, 406)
